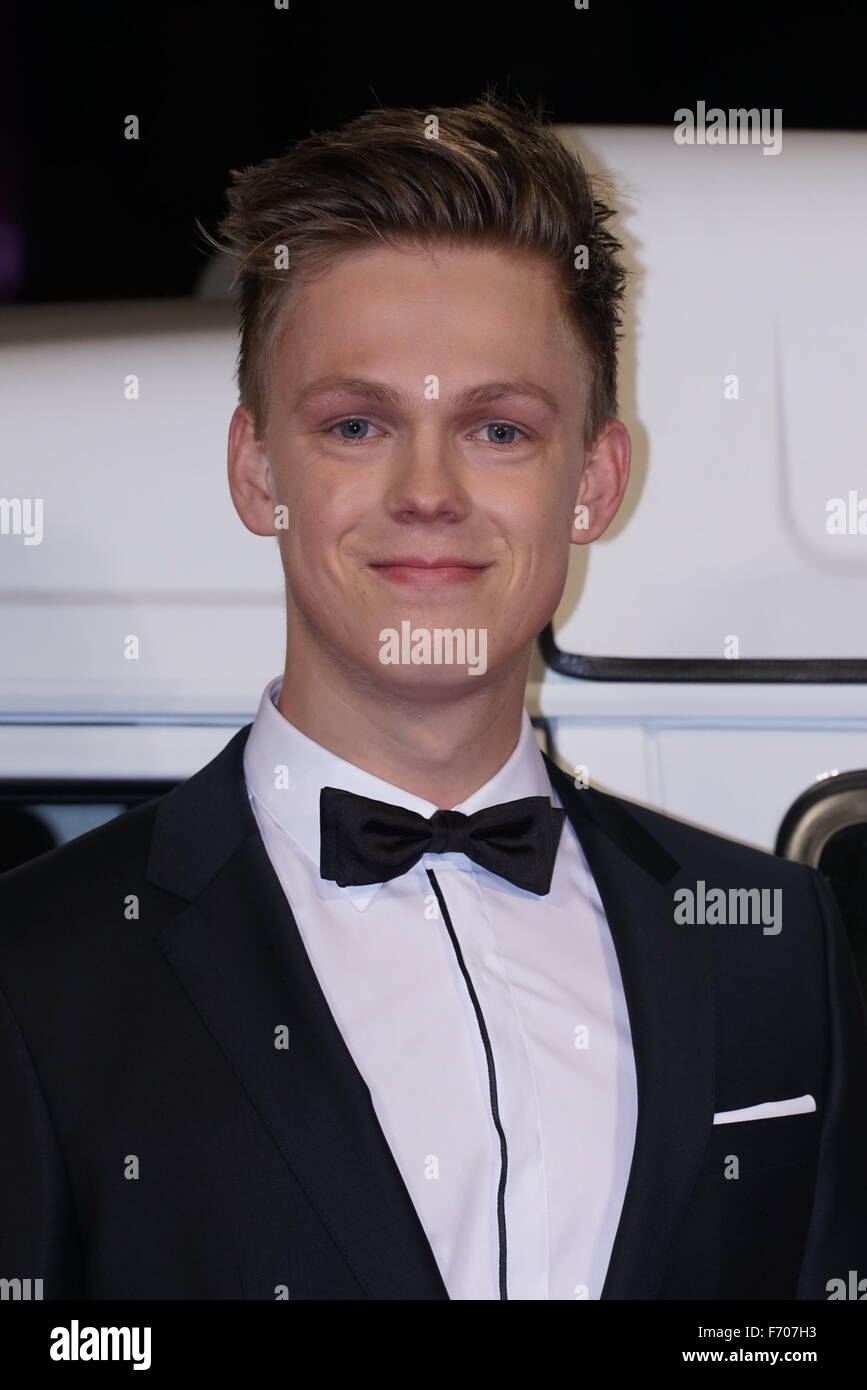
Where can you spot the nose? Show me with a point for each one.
(427, 482)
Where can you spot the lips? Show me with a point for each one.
(424, 573)
(419, 562)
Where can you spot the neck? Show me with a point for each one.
(441, 749)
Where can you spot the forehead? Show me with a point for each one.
(406, 314)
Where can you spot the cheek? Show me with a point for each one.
(543, 574)
(539, 539)
(313, 547)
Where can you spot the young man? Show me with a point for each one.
(398, 1011)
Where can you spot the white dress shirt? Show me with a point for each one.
(546, 978)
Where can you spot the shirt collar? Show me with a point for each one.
(285, 772)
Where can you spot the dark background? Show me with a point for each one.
(88, 215)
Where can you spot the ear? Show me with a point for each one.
(602, 483)
(249, 475)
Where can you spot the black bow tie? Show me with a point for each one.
(366, 841)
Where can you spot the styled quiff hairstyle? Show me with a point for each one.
(486, 174)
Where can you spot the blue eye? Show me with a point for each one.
(505, 434)
(351, 427)
(355, 429)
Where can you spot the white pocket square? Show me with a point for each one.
(767, 1110)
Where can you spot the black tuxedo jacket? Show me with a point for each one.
(156, 1144)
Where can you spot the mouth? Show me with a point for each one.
(420, 573)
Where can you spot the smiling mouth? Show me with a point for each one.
(428, 574)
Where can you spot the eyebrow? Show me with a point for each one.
(379, 393)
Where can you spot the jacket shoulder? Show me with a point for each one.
(79, 879)
(699, 850)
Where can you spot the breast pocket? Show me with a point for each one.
(748, 1146)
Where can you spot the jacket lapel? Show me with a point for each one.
(237, 951)
(666, 970)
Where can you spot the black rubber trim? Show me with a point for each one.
(703, 670)
(822, 791)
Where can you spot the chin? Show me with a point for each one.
(429, 686)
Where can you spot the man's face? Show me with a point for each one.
(425, 407)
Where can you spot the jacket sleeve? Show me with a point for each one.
(837, 1237)
(39, 1237)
